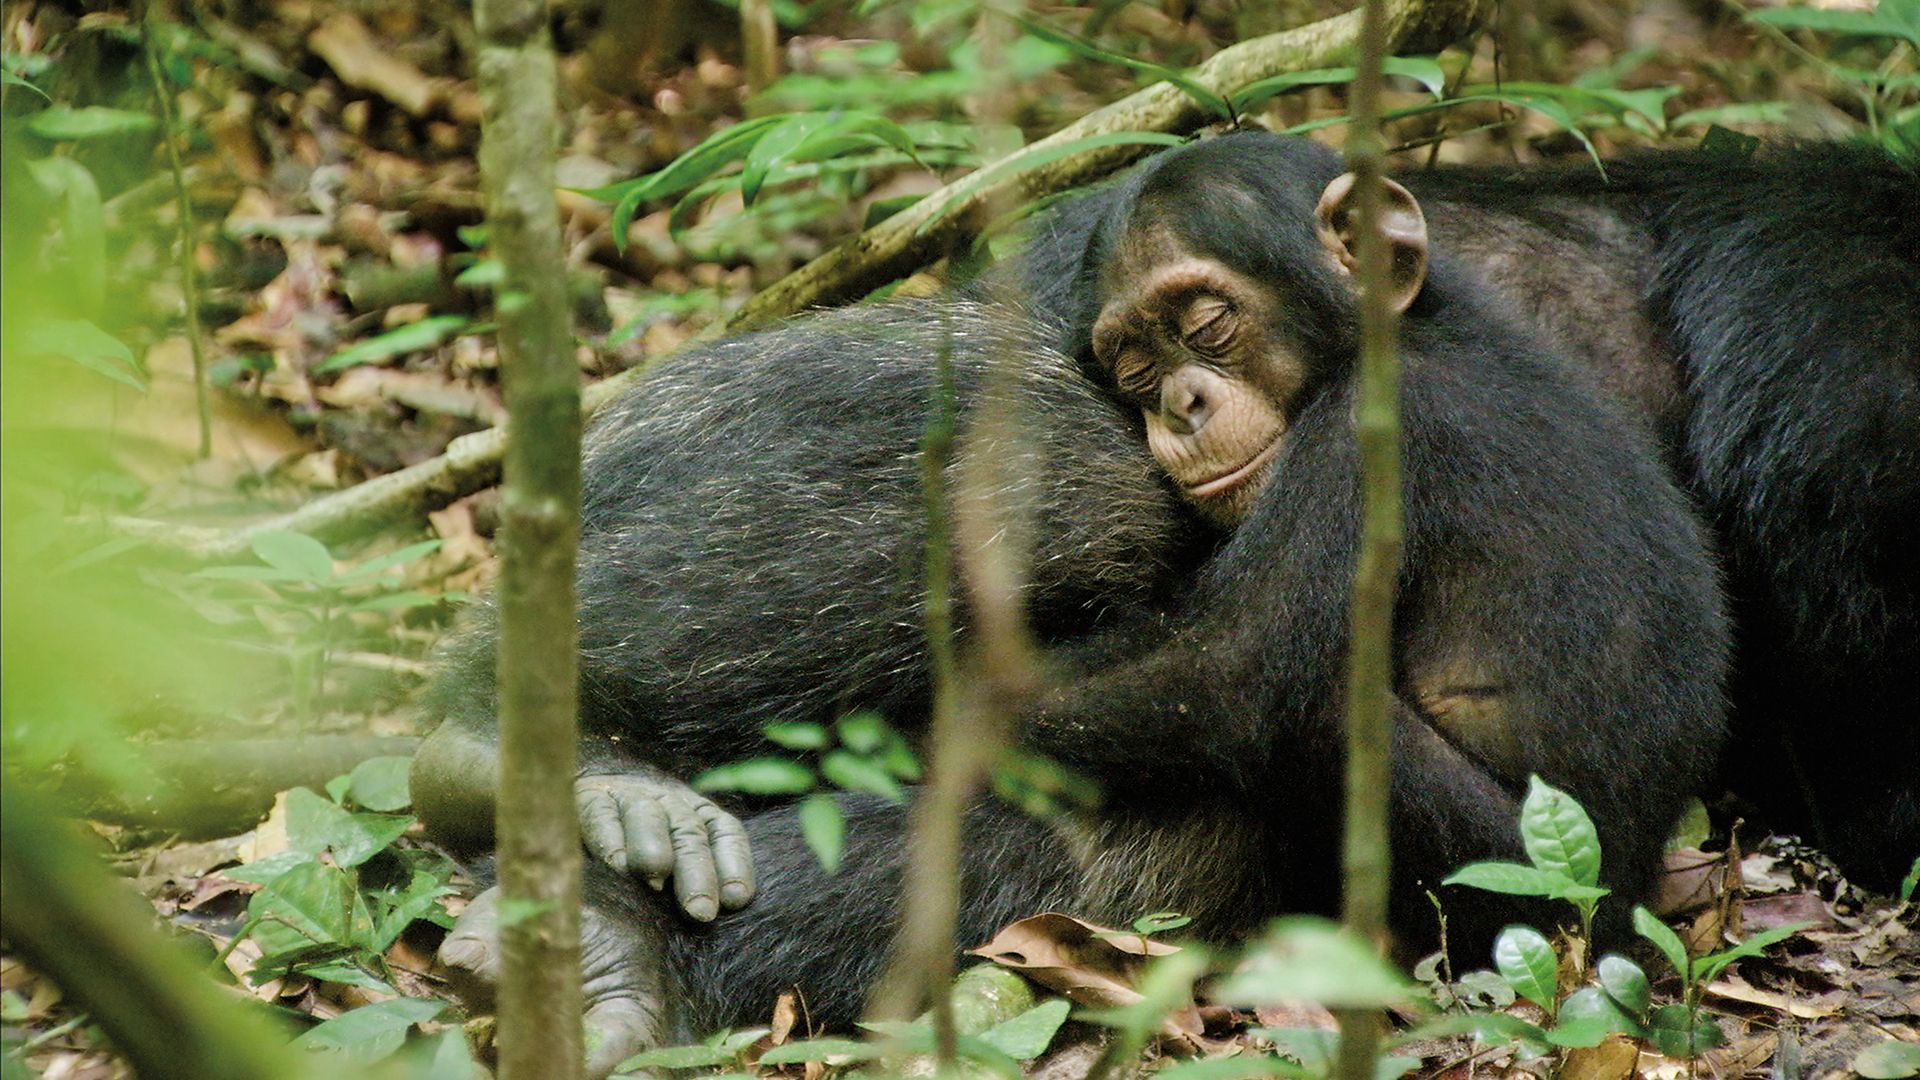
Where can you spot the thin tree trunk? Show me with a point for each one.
(1366, 857)
(539, 841)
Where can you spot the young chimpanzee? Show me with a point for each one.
(1558, 615)
(1760, 315)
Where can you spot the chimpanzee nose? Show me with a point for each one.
(1186, 401)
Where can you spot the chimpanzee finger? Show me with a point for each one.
(695, 881)
(600, 826)
(649, 844)
(732, 856)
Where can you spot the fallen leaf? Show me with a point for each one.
(362, 61)
(1808, 1008)
(1693, 879)
(1767, 912)
(1613, 1059)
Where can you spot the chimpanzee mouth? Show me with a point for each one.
(1226, 482)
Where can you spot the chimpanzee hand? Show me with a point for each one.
(623, 998)
(644, 822)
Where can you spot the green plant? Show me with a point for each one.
(312, 597)
(859, 752)
(332, 904)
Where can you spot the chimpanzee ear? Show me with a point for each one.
(1337, 224)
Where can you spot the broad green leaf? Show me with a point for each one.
(1512, 879)
(1625, 983)
(485, 274)
(824, 828)
(774, 146)
(1746, 112)
(1888, 1060)
(862, 732)
(428, 333)
(369, 1033)
(796, 736)
(399, 909)
(716, 152)
(261, 871)
(1308, 959)
(1026, 1036)
(63, 124)
(338, 787)
(1587, 1016)
(1160, 922)
(1663, 939)
(1693, 829)
(1558, 834)
(314, 823)
(294, 553)
(1524, 958)
(1678, 1032)
(84, 344)
(757, 776)
(819, 1050)
(855, 773)
(83, 233)
(381, 783)
(310, 904)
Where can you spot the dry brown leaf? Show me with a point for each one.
(362, 61)
(1087, 963)
(1806, 1008)
(786, 1013)
(1301, 1015)
(1744, 1055)
(270, 836)
(1614, 1059)
(1693, 879)
(1768, 912)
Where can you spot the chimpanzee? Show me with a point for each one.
(1761, 316)
(1558, 615)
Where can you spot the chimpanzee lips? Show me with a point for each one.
(1226, 482)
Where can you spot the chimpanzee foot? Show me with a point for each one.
(625, 1003)
(648, 824)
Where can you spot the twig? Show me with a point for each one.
(189, 277)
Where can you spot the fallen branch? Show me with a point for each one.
(892, 249)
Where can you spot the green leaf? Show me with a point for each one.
(261, 871)
(1422, 69)
(1206, 98)
(1524, 958)
(1664, 939)
(84, 344)
(399, 909)
(428, 333)
(310, 904)
(1625, 983)
(1014, 166)
(863, 732)
(265, 574)
(1706, 967)
(63, 124)
(1243, 1065)
(314, 823)
(774, 146)
(1858, 23)
(824, 829)
(1746, 112)
(699, 1056)
(1160, 922)
(1558, 834)
(338, 787)
(796, 736)
(381, 783)
(1512, 879)
(294, 553)
(1309, 959)
(1487, 1028)
(1587, 1016)
(854, 773)
(819, 1050)
(485, 274)
(715, 152)
(1679, 1032)
(369, 1033)
(1026, 1036)
(1889, 1060)
(757, 776)
(398, 601)
(380, 564)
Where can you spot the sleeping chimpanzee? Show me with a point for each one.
(1558, 615)
(1762, 316)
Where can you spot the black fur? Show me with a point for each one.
(1762, 318)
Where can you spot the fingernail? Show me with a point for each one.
(462, 952)
(734, 894)
(702, 908)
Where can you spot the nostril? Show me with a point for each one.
(1185, 410)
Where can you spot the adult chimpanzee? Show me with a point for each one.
(1762, 316)
(1558, 615)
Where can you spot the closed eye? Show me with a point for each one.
(1207, 323)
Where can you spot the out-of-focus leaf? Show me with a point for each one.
(1026, 1036)
(796, 736)
(428, 333)
(824, 828)
(1879, 23)
(1013, 166)
(855, 773)
(819, 1050)
(294, 553)
(1209, 100)
(715, 152)
(757, 776)
(84, 344)
(1889, 1060)
(369, 1033)
(380, 784)
(63, 124)
(1309, 959)
(1422, 69)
